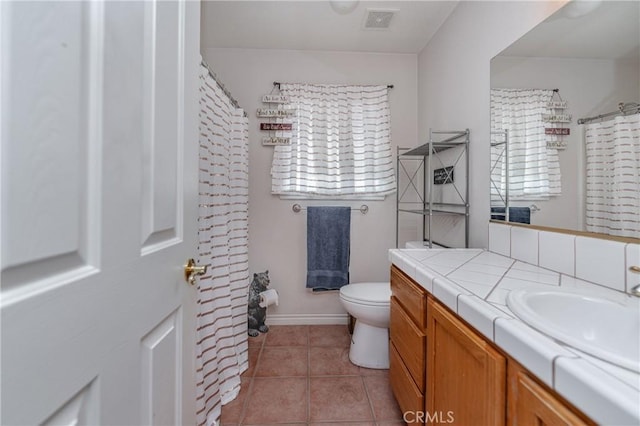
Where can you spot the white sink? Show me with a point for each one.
(594, 324)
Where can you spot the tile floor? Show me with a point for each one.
(301, 375)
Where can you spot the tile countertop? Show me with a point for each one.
(475, 283)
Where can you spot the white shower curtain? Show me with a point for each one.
(613, 176)
(222, 352)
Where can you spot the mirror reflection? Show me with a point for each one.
(581, 65)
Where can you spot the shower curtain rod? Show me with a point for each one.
(233, 100)
(623, 109)
(277, 83)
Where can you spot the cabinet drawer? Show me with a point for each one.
(412, 297)
(407, 394)
(409, 341)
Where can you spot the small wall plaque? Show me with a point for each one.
(275, 99)
(271, 113)
(275, 140)
(442, 176)
(557, 131)
(275, 126)
(557, 145)
(557, 104)
(557, 118)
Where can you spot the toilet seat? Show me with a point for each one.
(370, 294)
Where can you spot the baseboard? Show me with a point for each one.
(307, 319)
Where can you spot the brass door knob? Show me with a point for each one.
(191, 270)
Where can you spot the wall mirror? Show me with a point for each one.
(580, 63)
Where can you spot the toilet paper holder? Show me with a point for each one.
(268, 298)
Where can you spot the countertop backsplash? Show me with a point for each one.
(591, 260)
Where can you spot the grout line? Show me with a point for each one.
(366, 392)
(245, 404)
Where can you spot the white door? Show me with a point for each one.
(98, 117)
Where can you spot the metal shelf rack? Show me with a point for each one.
(499, 196)
(418, 194)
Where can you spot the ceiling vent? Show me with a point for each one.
(378, 19)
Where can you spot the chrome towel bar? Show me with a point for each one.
(297, 208)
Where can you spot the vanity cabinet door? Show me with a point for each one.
(531, 404)
(466, 377)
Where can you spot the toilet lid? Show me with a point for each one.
(369, 293)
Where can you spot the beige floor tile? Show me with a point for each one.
(328, 361)
(282, 361)
(381, 396)
(279, 400)
(329, 335)
(287, 335)
(338, 399)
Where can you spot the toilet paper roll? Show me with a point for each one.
(268, 298)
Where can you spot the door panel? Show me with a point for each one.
(163, 122)
(160, 372)
(466, 377)
(99, 211)
(81, 409)
(50, 101)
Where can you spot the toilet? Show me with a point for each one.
(368, 303)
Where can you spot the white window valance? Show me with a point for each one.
(340, 145)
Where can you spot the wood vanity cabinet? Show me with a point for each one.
(442, 371)
(533, 404)
(407, 342)
(466, 375)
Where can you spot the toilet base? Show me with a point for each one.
(369, 346)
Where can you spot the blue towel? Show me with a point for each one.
(516, 214)
(328, 245)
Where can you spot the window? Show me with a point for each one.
(340, 145)
(534, 169)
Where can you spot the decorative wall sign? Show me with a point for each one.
(275, 140)
(275, 99)
(557, 131)
(274, 113)
(557, 104)
(276, 126)
(557, 144)
(559, 119)
(442, 176)
(556, 118)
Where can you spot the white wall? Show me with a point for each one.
(590, 87)
(454, 82)
(277, 236)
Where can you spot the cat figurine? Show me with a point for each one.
(257, 314)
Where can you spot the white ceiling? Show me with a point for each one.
(314, 25)
(611, 31)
